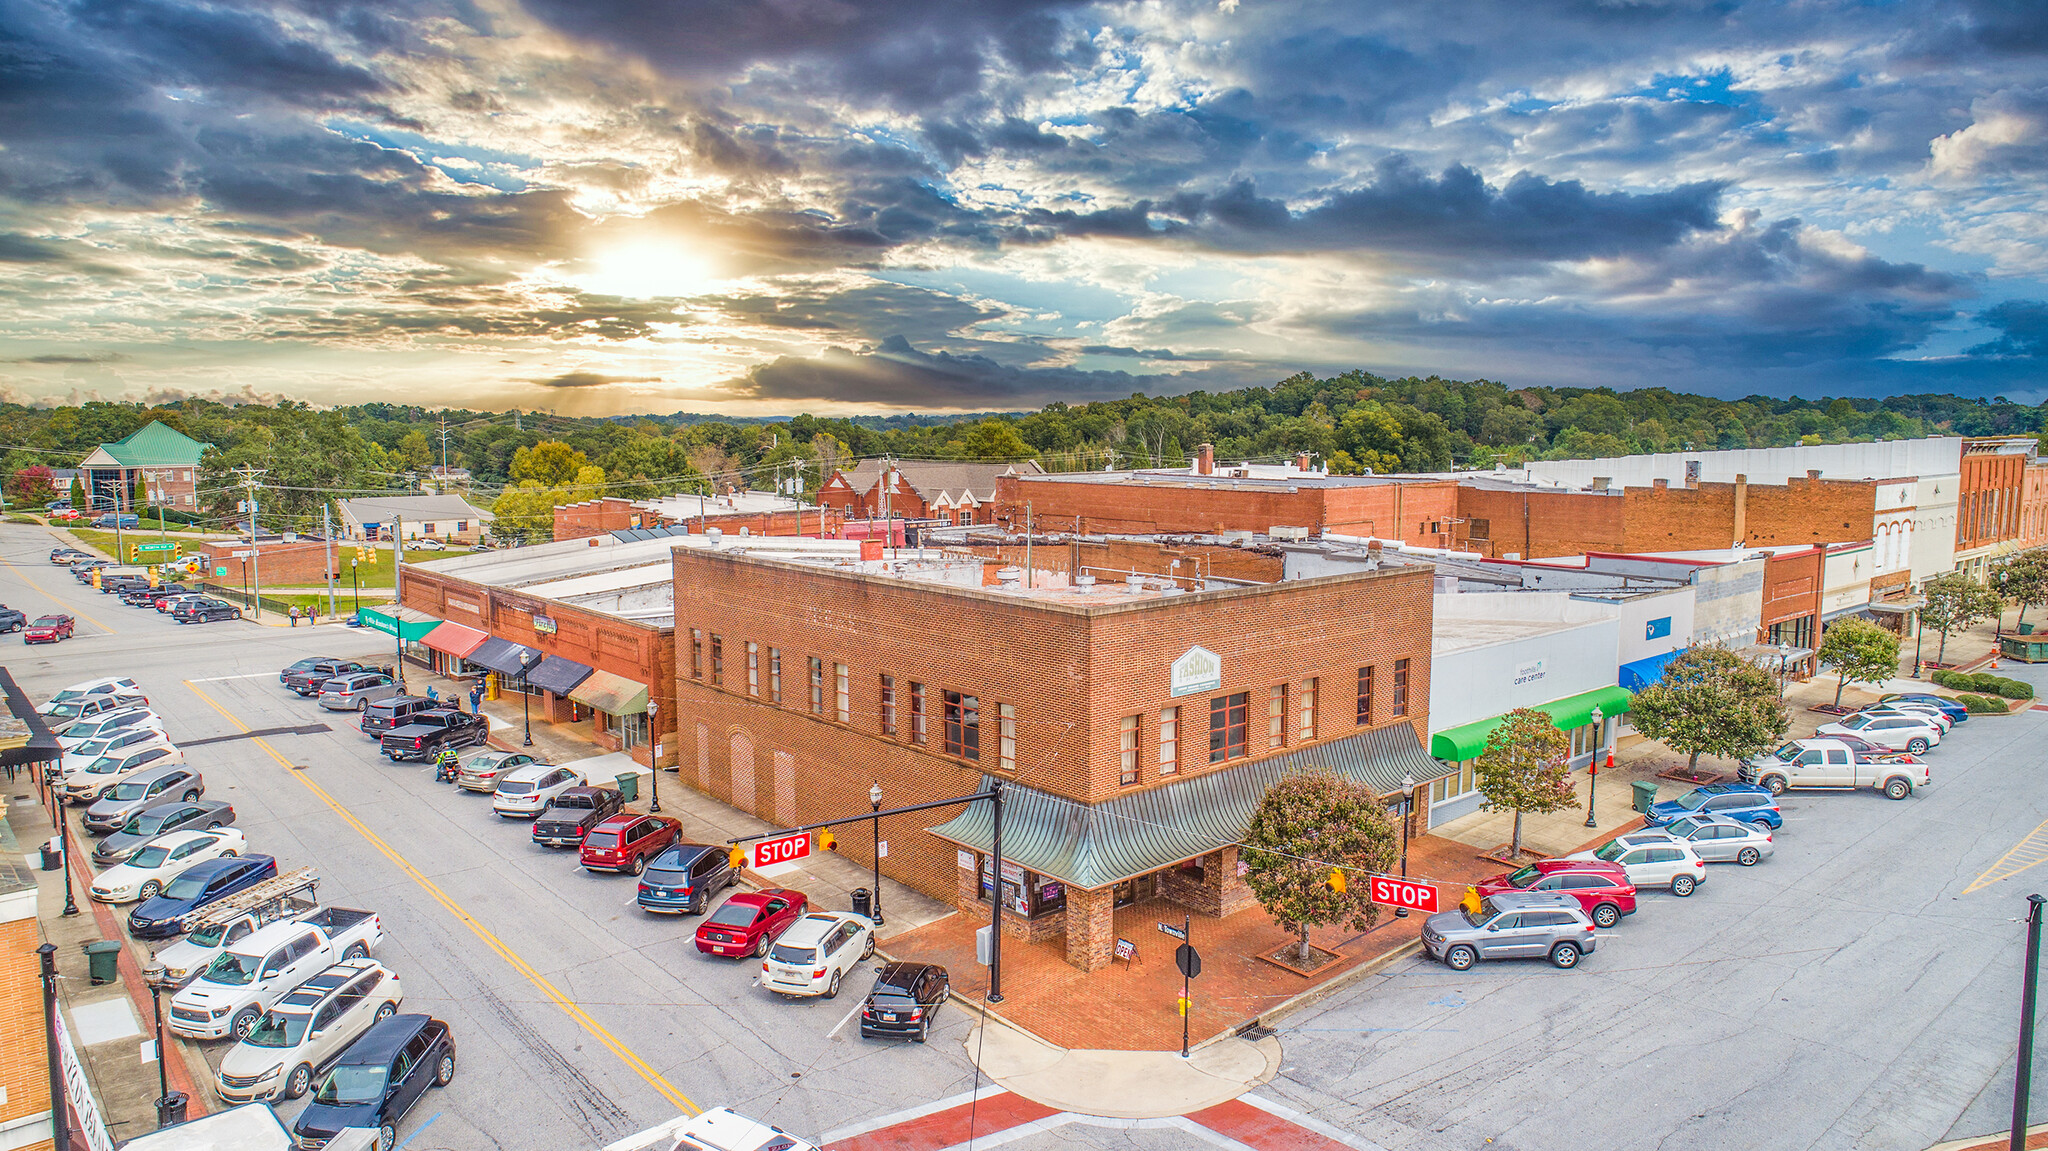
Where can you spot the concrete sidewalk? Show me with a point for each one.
(1121, 1084)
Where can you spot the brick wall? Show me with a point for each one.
(24, 1054)
(1792, 586)
(1390, 510)
(814, 522)
(2033, 530)
(1108, 560)
(279, 564)
(1810, 510)
(1536, 524)
(1990, 500)
(595, 518)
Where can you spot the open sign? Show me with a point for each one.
(787, 849)
(1403, 893)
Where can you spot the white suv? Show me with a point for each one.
(97, 779)
(526, 792)
(1897, 731)
(1653, 859)
(307, 1029)
(813, 954)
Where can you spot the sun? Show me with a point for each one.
(646, 269)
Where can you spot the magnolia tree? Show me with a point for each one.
(1309, 824)
(1860, 652)
(1954, 601)
(1711, 702)
(1526, 767)
(2023, 580)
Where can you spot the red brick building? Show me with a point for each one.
(952, 492)
(729, 514)
(1134, 726)
(1793, 581)
(2034, 506)
(301, 562)
(1990, 505)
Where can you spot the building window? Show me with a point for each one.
(1306, 706)
(1276, 716)
(1169, 740)
(717, 661)
(1400, 687)
(1461, 782)
(963, 725)
(461, 526)
(888, 705)
(1229, 716)
(696, 654)
(753, 669)
(1127, 752)
(917, 713)
(1479, 529)
(1364, 695)
(632, 730)
(1006, 735)
(1026, 893)
(842, 693)
(817, 686)
(775, 675)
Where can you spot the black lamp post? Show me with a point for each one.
(1593, 769)
(163, 1080)
(59, 1111)
(526, 697)
(355, 580)
(64, 850)
(653, 768)
(1407, 816)
(875, 802)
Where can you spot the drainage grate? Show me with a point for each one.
(1254, 1032)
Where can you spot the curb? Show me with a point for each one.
(1317, 994)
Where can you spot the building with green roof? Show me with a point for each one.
(167, 459)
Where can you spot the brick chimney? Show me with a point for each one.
(1205, 459)
(1301, 462)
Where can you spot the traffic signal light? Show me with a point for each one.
(737, 858)
(1471, 900)
(826, 842)
(1337, 880)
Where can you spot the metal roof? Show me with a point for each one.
(1096, 845)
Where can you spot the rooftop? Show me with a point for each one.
(154, 445)
(685, 507)
(1452, 634)
(377, 509)
(1230, 477)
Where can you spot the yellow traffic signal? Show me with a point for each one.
(826, 842)
(1337, 880)
(1471, 900)
(738, 858)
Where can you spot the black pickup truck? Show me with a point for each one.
(308, 680)
(571, 815)
(146, 596)
(425, 733)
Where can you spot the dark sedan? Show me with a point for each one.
(163, 916)
(164, 818)
(904, 999)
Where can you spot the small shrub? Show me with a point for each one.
(1980, 705)
(2014, 689)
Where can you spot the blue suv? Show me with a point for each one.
(1743, 802)
(1955, 711)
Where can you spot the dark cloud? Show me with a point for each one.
(69, 358)
(2024, 328)
(592, 380)
(898, 375)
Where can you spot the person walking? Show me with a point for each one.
(476, 698)
(295, 615)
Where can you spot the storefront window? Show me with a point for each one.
(1462, 782)
(631, 729)
(1026, 893)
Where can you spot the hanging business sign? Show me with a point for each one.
(544, 625)
(78, 1090)
(1198, 671)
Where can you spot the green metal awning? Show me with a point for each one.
(1469, 740)
(406, 623)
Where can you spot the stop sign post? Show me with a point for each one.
(784, 849)
(1400, 892)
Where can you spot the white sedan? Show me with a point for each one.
(814, 954)
(163, 859)
(1897, 732)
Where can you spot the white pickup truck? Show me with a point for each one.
(1831, 764)
(247, 978)
(220, 925)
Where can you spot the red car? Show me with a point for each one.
(626, 841)
(748, 922)
(1602, 889)
(49, 629)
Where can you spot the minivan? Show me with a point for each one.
(377, 1080)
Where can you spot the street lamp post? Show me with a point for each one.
(163, 1081)
(1407, 816)
(64, 852)
(59, 1113)
(875, 802)
(1593, 768)
(526, 697)
(355, 580)
(653, 768)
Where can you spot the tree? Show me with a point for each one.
(1711, 702)
(550, 463)
(32, 485)
(993, 440)
(1526, 767)
(1310, 823)
(139, 497)
(78, 493)
(1954, 602)
(2022, 579)
(1860, 652)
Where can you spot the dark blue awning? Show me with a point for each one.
(502, 656)
(558, 675)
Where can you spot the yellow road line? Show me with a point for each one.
(2028, 852)
(68, 609)
(626, 1055)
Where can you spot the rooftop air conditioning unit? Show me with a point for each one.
(1283, 532)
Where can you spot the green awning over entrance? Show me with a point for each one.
(1468, 741)
(404, 622)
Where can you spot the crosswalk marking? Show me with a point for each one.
(2025, 854)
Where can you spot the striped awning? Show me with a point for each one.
(611, 694)
(455, 639)
(1093, 845)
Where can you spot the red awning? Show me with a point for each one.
(454, 639)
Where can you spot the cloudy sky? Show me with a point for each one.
(761, 206)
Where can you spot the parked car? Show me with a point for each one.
(1898, 732)
(903, 1000)
(626, 841)
(161, 860)
(356, 691)
(77, 757)
(307, 676)
(1655, 860)
(146, 596)
(143, 790)
(391, 711)
(107, 716)
(1511, 925)
(163, 819)
(164, 916)
(480, 772)
(1828, 764)
(217, 928)
(1740, 801)
(204, 610)
(307, 1031)
(526, 792)
(1927, 711)
(250, 977)
(570, 815)
(12, 620)
(425, 733)
(748, 922)
(723, 1129)
(50, 629)
(65, 557)
(377, 1080)
(816, 953)
(98, 778)
(166, 604)
(108, 686)
(1718, 839)
(1602, 889)
(124, 520)
(683, 879)
(1949, 707)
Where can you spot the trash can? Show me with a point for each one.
(2026, 629)
(629, 785)
(1646, 794)
(863, 903)
(52, 858)
(170, 1110)
(103, 959)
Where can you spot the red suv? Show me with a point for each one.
(626, 841)
(1602, 889)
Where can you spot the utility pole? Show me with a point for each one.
(327, 533)
(1028, 581)
(888, 520)
(397, 622)
(60, 1125)
(249, 485)
(444, 445)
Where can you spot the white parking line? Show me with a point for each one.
(844, 1020)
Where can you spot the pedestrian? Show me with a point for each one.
(433, 695)
(446, 768)
(313, 616)
(476, 698)
(295, 615)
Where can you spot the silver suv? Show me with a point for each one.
(1511, 925)
(356, 691)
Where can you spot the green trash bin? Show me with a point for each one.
(1646, 794)
(629, 786)
(2026, 629)
(103, 959)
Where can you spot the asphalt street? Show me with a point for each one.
(579, 1019)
